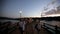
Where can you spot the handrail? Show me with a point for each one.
(5, 27)
(12, 28)
(55, 27)
(49, 25)
(52, 25)
(50, 28)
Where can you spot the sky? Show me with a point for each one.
(29, 8)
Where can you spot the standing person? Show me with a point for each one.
(29, 26)
(37, 26)
(22, 26)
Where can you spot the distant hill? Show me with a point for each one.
(9, 18)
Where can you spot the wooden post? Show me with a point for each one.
(44, 24)
(56, 29)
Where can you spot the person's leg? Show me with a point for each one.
(38, 31)
(20, 28)
(21, 31)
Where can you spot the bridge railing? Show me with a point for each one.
(7, 28)
(52, 29)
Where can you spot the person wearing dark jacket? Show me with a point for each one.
(37, 26)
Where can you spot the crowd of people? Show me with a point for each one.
(29, 26)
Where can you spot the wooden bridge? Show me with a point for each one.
(9, 28)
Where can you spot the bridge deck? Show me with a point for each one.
(42, 31)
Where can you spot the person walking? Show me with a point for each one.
(22, 26)
(29, 27)
(37, 26)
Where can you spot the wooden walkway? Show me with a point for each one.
(42, 31)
